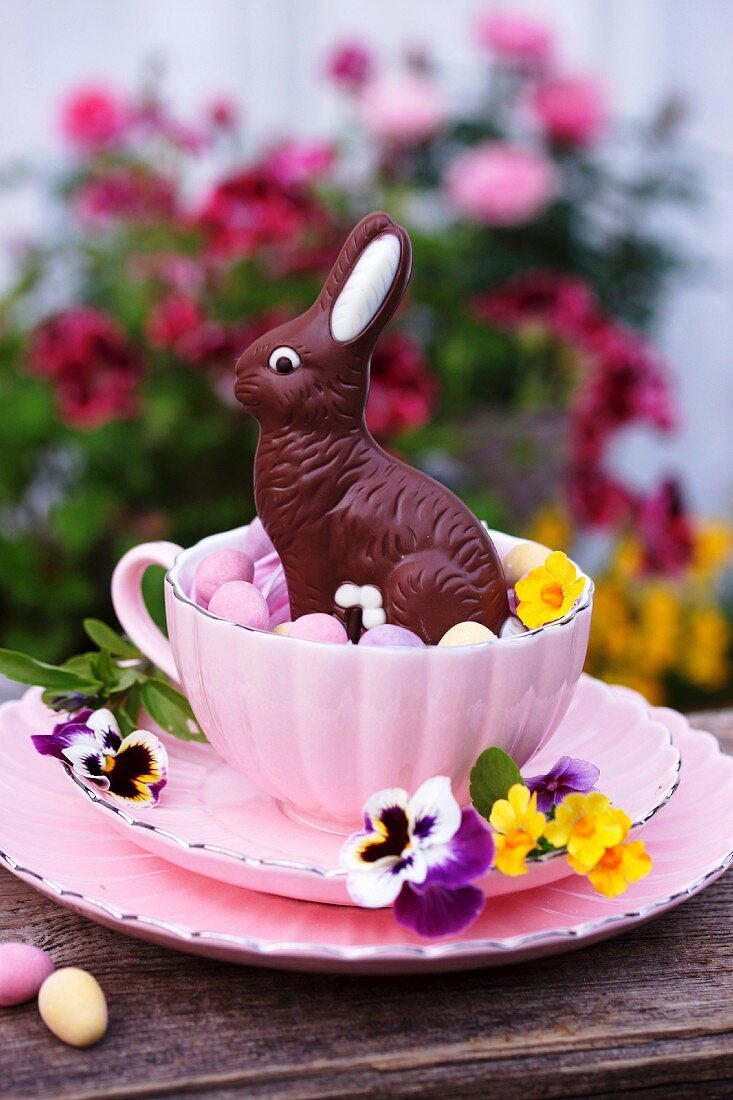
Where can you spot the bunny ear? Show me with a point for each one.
(369, 277)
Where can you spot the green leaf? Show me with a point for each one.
(105, 669)
(491, 778)
(107, 638)
(170, 710)
(27, 670)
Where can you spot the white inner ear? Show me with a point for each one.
(366, 288)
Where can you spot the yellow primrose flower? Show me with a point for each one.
(548, 592)
(618, 866)
(711, 549)
(586, 825)
(518, 825)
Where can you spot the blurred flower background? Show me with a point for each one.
(546, 248)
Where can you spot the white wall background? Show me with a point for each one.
(268, 53)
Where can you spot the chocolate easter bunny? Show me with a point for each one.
(356, 528)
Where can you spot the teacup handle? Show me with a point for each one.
(129, 605)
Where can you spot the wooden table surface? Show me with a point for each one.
(648, 1013)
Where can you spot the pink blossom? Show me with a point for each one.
(500, 185)
(515, 38)
(125, 194)
(299, 163)
(171, 320)
(351, 65)
(664, 528)
(406, 109)
(570, 110)
(222, 113)
(562, 303)
(93, 116)
(403, 391)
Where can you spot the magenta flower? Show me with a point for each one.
(421, 855)
(351, 65)
(568, 776)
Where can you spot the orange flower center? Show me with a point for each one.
(585, 827)
(611, 858)
(518, 838)
(552, 595)
(109, 763)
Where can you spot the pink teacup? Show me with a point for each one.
(322, 727)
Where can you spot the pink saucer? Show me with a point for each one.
(214, 821)
(58, 844)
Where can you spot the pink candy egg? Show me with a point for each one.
(240, 602)
(219, 568)
(318, 628)
(23, 970)
(389, 635)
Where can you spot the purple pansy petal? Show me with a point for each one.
(103, 725)
(63, 735)
(436, 816)
(567, 776)
(434, 911)
(464, 858)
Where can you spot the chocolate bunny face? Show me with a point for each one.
(359, 533)
(315, 369)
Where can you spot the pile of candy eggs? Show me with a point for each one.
(224, 585)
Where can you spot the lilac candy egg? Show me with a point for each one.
(240, 602)
(217, 569)
(318, 628)
(388, 635)
(23, 970)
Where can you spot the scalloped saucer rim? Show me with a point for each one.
(282, 855)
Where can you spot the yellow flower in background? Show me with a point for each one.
(548, 592)
(618, 866)
(711, 549)
(517, 825)
(705, 658)
(659, 630)
(628, 558)
(586, 825)
(550, 526)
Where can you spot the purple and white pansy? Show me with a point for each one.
(421, 855)
(133, 768)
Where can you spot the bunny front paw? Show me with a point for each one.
(367, 598)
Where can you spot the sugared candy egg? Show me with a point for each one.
(522, 559)
(391, 635)
(318, 627)
(73, 1007)
(241, 602)
(283, 628)
(467, 634)
(219, 568)
(512, 627)
(23, 970)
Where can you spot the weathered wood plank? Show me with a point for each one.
(650, 1012)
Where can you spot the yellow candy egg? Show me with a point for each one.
(522, 559)
(467, 634)
(73, 1007)
(283, 628)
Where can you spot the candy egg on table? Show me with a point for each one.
(217, 569)
(522, 559)
(467, 634)
(318, 627)
(241, 602)
(391, 635)
(73, 1007)
(23, 970)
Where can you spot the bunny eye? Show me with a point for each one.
(284, 361)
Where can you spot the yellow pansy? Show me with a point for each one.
(548, 592)
(587, 825)
(518, 825)
(618, 866)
